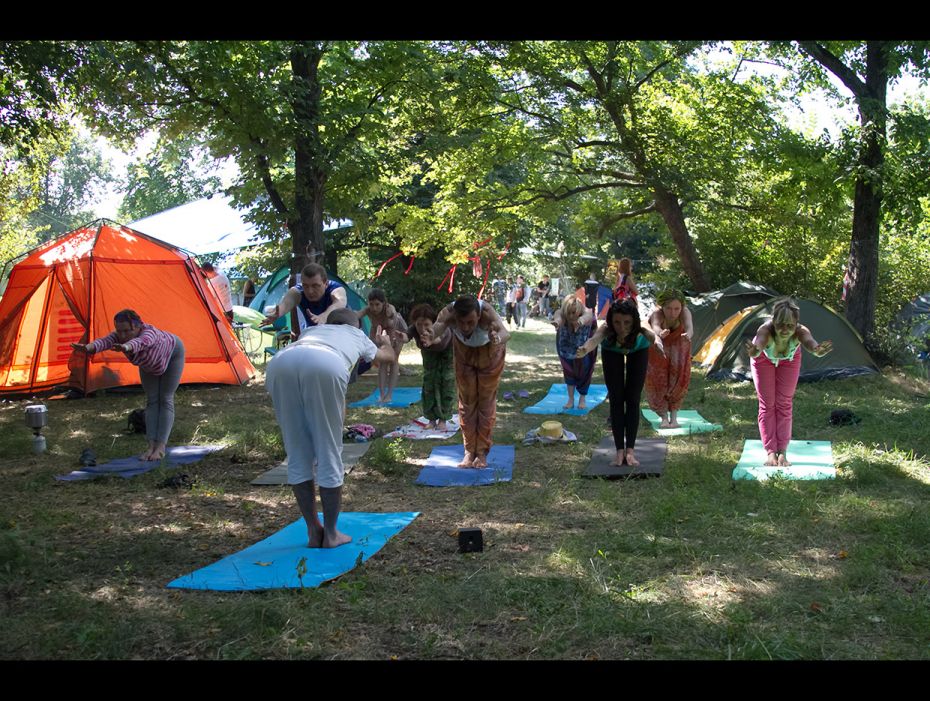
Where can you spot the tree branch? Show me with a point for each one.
(614, 218)
(833, 64)
(680, 52)
(564, 193)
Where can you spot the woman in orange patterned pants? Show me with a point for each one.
(669, 372)
(479, 338)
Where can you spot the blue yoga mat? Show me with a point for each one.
(132, 466)
(276, 562)
(810, 460)
(558, 394)
(401, 397)
(441, 470)
(689, 420)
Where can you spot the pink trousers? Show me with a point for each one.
(775, 387)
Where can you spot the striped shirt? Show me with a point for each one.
(151, 350)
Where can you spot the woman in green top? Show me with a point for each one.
(625, 355)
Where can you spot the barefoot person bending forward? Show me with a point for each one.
(160, 358)
(669, 370)
(574, 325)
(776, 365)
(479, 339)
(307, 382)
(625, 355)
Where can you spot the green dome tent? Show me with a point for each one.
(711, 309)
(725, 357)
(913, 321)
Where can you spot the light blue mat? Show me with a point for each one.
(283, 560)
(132, 466)
(689, 419)
(401, 397)
(810, 460)
(557, 396)
(441, 470)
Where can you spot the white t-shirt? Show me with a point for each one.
(351, 343)
(220, 284)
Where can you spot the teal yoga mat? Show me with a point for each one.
(557, 396)
(690, 420)
(401, 397)
(810, 460)
(276, 562)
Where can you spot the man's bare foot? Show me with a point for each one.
(771, 460)
(480, 461)
(582, 404)
(664, 424)
(338, 538)
(673, 419)
(619, 459)
(631, 458)
(468, 460)
(314, 537)
(147, 455)
(431, 424)
(783, 460)
(441, 425)
(568, 405)
(674, 424)
(386, 399)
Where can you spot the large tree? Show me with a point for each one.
(865, 69)
(305, 121)
(623, 130)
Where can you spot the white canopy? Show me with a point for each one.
(210, 225)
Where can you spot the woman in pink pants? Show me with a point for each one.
(776, 363)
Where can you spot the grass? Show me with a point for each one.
(689, 566)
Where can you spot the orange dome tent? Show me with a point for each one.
(69, 289)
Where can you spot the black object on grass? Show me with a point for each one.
(470, 540)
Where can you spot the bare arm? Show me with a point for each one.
(339, 300)
(655, 322)
(759, 342)
(288, 302)
(441, 323)
(688, 321)
(807, 340)
(592, 342)
(497, 332)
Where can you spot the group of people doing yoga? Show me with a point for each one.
(463, 346)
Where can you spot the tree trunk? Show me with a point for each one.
(669, 208)
(306, 225)
(867, 207)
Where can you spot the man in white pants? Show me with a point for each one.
(307, 382)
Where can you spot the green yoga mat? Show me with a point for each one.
(690, 421)
(810, 460)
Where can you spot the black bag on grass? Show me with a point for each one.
(136, 421)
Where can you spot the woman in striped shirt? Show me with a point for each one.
(159, 356)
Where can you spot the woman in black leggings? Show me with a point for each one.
(625, 355)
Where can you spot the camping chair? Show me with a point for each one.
(282, 334)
